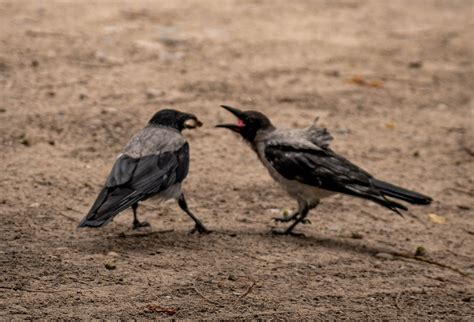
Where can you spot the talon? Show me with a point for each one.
(283, 219)
(200, 229)
(137, 224)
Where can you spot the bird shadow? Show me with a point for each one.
(162, 240)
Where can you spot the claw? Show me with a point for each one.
(137, 224)
(283, 219)
(200, 229)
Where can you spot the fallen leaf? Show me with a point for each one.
(437, 219)
(390, 125)
(375, 84)
(357, 80)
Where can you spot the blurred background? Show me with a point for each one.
(391, 80)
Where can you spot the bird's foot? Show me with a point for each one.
(200, 229)
(286, 232)
(288, 219)
(137, 224)
(283, 219)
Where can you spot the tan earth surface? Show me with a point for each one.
(391, 80)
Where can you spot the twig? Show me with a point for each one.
(244, 294)
(66, 216)
(458, 255)
(202, 295)
(397, 303)
(240, 297)
(469, 193)
(429, 261)
(34, 291)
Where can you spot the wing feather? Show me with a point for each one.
(324, 169)
(135, 179)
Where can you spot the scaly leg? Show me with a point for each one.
(199, 227)
(136, 223)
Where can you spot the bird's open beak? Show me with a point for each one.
(192, 123)
(239, 114)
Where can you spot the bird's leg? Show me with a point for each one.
(199, 227)
(136, 223)
(294, 216)
(303, 212)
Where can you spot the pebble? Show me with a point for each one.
(114, 254)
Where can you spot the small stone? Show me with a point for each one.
(420, 251)
(232, 277)
(35, 205)
(109, 110)
(332, 73)
(148, 45)
(415, 64)
(356, 235)
(384, 256)
(25, 142)
(442, 106)
(110, 266)
(153, 92)
(114, 254)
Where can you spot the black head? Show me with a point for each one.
(175, 119)
(248, 123)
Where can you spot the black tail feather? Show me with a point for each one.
(107, 205)
(394, 191)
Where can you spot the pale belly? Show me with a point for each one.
(301, 191)
(173, 192)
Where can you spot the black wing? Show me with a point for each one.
(325, 169)
(135, 179)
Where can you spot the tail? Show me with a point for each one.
(107, 205)
(394, 191)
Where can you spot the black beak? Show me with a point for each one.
(238, 113)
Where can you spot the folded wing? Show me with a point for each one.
(135, 179)
(324, 169)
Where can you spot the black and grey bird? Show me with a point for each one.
(303, 163)
(153, 164)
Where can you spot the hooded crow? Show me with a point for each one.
(154, 163)
(301, 161)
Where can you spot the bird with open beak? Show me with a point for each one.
(153, 164)
(301, 161)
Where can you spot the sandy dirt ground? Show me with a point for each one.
(391, 80)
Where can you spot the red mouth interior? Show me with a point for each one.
(240, 123)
